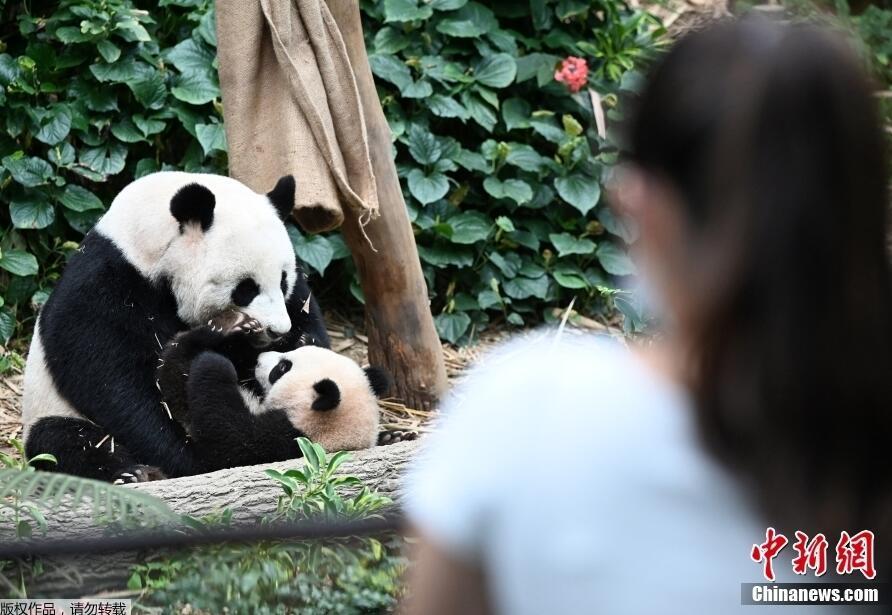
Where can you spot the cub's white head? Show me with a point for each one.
(325, 395)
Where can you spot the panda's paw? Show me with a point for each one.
(392, 436)
(138, 474)
(234, 322)
(209, 369)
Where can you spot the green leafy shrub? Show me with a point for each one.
(93, 93)
(502, 167)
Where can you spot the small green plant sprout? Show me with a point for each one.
(23, 512)
(314, 491)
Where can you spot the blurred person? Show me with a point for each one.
(573, 475)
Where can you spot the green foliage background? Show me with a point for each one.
(502, 167)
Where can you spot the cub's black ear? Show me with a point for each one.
(282, 196)
(380, 381)
(329, 395)
(193, 204)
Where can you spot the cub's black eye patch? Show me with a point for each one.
(281, 368)
(284, 283)
(244, 293)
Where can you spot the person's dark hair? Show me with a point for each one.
(769, 134)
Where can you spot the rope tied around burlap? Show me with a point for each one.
(291, 105)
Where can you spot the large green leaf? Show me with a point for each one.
(195, 88)
(314, 250)
(471, 21)
(7, 325)
(567, 244)
(427, 188)
(105, 159)
(516, 113)
(423, 145)
(515, 189)
(470, 227)
(444, 106)
(526, 158)
(405, 10)
(121, 71)
(496, 71)
(126, 131)
(76, 198)
(569, 276)
(212, 137)
(149, 89)
(580, 191)
(190, 56)
(19, 262)
(31, 211)
(480, 112)
(447, 5)
(29, 171)
(389, 40)
(56, 126)
(442, 256)
(615, 260)
(109, 51)
(522, 287)
(391, 69)
(451, 327)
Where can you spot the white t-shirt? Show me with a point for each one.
(573, 475)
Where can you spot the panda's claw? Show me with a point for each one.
(235, 322)
(138, 474)
(392, 436)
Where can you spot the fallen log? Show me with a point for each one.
(247, 492)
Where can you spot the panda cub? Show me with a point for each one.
(310, 391)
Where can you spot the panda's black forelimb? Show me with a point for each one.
(85, 449)
(225, 433)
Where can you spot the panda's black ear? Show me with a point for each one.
(282, 196)
(193, 204)
(328, 395)
(379, 380)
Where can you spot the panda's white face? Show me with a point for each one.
(251, 267)
(325, 395)
(218, 243)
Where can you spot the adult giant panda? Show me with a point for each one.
(173, 250)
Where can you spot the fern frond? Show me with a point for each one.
(52, 491)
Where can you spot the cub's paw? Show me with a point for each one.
(138, 474)
(233, 322)
(209, 368)
(392, 436)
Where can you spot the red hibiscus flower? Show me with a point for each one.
(573, 72)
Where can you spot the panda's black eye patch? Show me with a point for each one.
(244, 293)
(281, 368)
(284, 284)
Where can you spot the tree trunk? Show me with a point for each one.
(248, 492)
(400, 328)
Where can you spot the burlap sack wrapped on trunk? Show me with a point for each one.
(291, 105)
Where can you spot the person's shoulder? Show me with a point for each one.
(555, 366)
